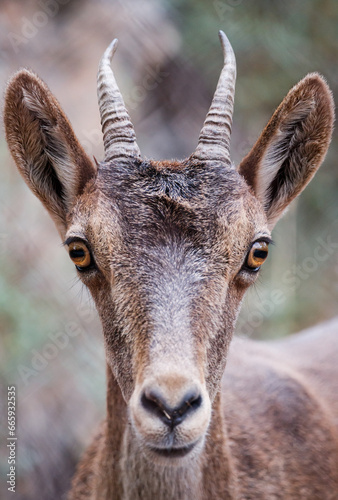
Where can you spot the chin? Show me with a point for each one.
(174, 456)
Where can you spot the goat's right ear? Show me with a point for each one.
(43, 145)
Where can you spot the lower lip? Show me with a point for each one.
(173, 452)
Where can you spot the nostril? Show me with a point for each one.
(152, 402)
(193, 402)
(156, 404)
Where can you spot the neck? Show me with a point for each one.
(133, 477)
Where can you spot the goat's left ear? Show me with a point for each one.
(44, 147)
(292, 146)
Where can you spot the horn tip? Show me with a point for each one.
(110, 51)
(224, 39)
(226, 46)
(112, 48)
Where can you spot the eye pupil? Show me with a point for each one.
(77, 254)
(260, 254)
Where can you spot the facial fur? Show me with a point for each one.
(169, 257)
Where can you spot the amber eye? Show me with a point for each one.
(257, 255)
(79, 254)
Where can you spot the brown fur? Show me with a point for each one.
(169, 241)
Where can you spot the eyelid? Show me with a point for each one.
(267, 239)
(70, 239)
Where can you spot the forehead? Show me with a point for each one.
(192, 190)
(153, 199)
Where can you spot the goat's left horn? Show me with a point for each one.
(118, 132)
(214, 139)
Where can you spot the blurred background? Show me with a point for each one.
(167, 66)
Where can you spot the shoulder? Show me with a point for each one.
(274, 418)
(276, 426)
(259, 378)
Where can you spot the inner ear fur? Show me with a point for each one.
(44, 146)
(291, 147)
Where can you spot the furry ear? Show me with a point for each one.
(291, 147)
(44, 146)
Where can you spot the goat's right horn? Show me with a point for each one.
(214, 139)
(118, 132)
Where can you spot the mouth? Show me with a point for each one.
(173, 452)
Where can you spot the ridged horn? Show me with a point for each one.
(118, 132)
(214, 139)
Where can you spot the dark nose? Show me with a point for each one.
(155, 403)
